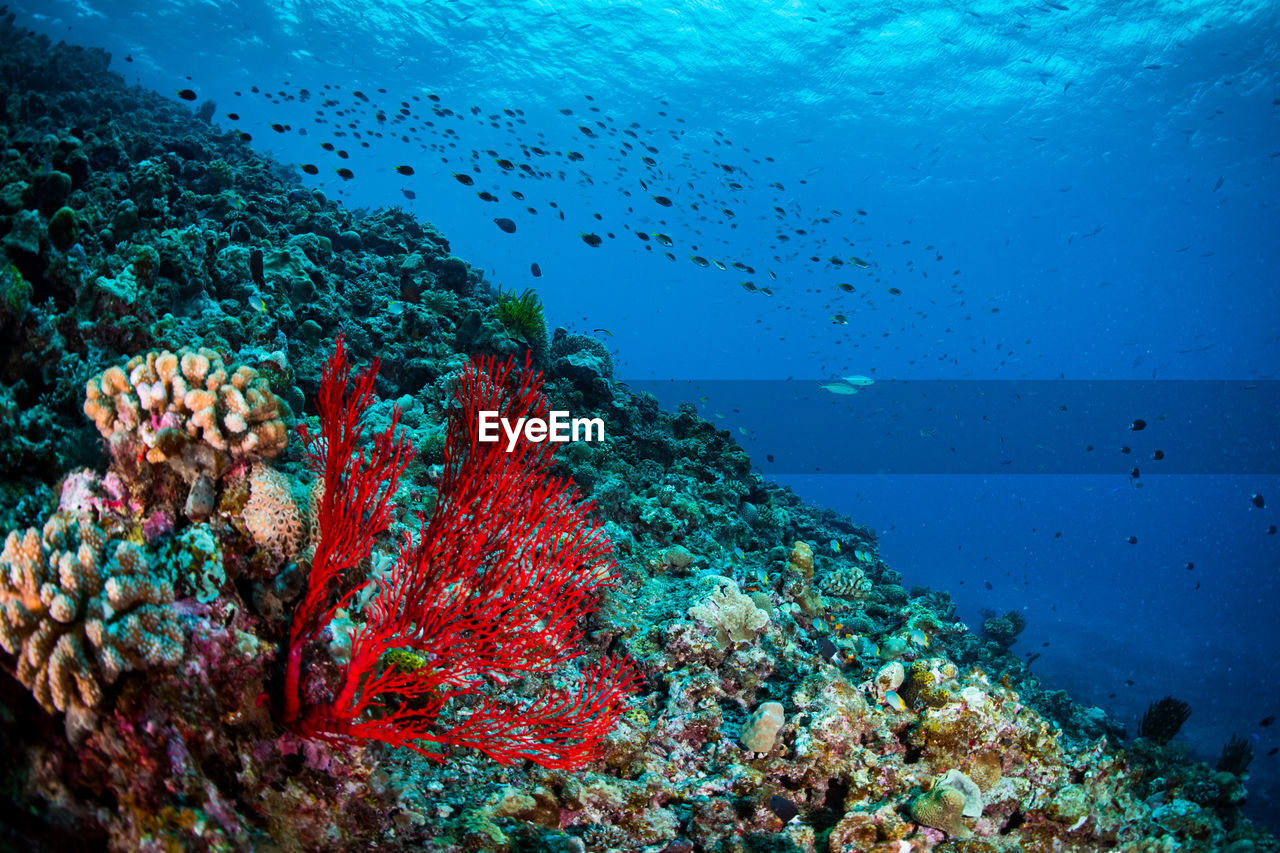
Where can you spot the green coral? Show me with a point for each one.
(430, 450)
(522, 317)
(405, 660)
(15, 292)
(64, 230)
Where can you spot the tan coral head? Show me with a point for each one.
(169, 402)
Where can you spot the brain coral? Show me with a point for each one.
(78, 610)
(941, 807)
(188, 410)
(760, 730)
(272, 515)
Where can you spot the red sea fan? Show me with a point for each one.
(493, 588)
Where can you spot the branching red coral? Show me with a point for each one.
(493, 588)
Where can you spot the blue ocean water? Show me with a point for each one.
(1058, 191)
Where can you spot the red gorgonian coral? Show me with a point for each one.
(493, 588)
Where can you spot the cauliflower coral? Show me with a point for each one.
(188, 410)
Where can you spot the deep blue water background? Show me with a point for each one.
(1121, 218)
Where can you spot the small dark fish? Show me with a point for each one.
(845, 286)
(233, 116)
(506, 225)
(592, 240)
(827, 649)
(327, 146)
(1259, 501)
(1126, 450)
(409, 194)
(129, 58)
(187, 94)
(485, 195)
(465, 180)
(1273, 751)
(1132, 540)
(1158, 455)
(1153, 67)
(1218, 185)
(279, 128)
(1135, 473)
(517, 195)
(1271, 531)
(662, 200)
(893, 291)
(361, 95)
(574, 156)
(987, 584)
(1266, 721)
(405, 170)
(504, 164)
(1190, 565)
(783, 808)
(1138, 425)
(310, 169)
(344, 155)
(535, 270)
(769, 456)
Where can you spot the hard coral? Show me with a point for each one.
(734, 617)
(188, 410)
(849, 582)
(272, 515)
(80, 609)
(761, 728)
(941, 807)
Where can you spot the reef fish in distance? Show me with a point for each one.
(837, 388)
